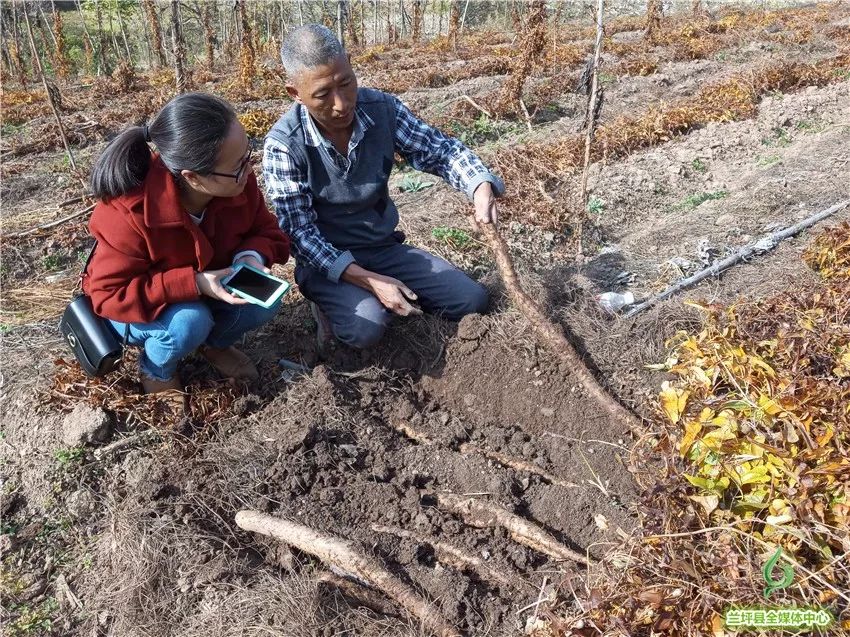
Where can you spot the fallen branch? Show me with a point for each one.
(765, 244)
(142, 437)
(477, 105)
(57, 222)
(344, 554)
(526, 115)
(549, 332)
(361, 594)
(452, 555)
(484, 515)
(516, 463)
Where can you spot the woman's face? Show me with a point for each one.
(231, 170)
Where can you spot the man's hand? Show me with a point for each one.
(485, 204)
(392, 293)
(249, 260)
(209, 284)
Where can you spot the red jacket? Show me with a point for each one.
(149, 249)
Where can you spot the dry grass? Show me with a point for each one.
(747, 453)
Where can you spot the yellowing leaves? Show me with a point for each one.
(673, 401)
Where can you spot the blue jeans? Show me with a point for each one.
(182, 327)
(358, 318)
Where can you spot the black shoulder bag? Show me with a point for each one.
(93, 341)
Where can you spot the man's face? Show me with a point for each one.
(329, 92)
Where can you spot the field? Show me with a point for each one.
(718, 127)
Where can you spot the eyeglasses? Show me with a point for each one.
(249, 159)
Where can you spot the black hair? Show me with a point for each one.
(187, 132)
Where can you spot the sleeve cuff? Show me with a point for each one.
(249, 253)
(179, 285)
(338, 267)
(498, 184)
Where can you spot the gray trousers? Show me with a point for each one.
(358, 318)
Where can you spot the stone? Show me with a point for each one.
(724, 220)
(548, 412)
(80, 503)
(85, 425)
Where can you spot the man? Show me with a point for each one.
(326, 164)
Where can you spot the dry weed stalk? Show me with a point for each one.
(485, 515)
(345, 555)
(534, 40)
(654, 12)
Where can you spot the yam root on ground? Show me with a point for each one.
(516, 463)
(452, 555)
(549, 332)
(481, 514)
(361, 594)
(345, 555)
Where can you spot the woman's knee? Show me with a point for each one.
(188, 325)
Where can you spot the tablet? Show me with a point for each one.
(255, 285)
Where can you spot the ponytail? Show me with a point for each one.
(187, 132)
(123, 166)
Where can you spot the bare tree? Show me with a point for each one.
(594, 103)
(52, 92)
(178, 48)
(15, 48)
(654, 11)
(124, 37)
(156, 31)
(101, 40)
(209, 35)
(416, 28)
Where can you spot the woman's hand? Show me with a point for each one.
(209, 284)
(249, 260)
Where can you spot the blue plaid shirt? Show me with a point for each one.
(424, 147)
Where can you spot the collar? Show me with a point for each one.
(161, 195)
(312, 136)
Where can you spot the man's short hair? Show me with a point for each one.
(307, 47)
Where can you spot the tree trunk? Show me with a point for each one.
(340, 11)
(15, 49)
(146, 36)
(247, 55)
(124, 37)
(300, 14)
(376, 18)
(178, 49)
(654, 12)
(416, 28)
(156, 31)
(454, 21)
(51, 91)
(101, 39)
(209, 36)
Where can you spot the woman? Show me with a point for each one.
(169, 226)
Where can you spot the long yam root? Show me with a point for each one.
(489, 514)
(358, 592)
(516, 463)
(452, 555)
(343, 554)
(549, 332)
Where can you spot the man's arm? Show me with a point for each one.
(429, 150)
(289, 193)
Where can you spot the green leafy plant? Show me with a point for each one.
(412, 183)
(692, 201)
(779, 139)
(67, 457)
(595, 205)
(769, 160)
(455, 237)
(699, 165)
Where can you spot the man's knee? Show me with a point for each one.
(472, 298)
(360, 332)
